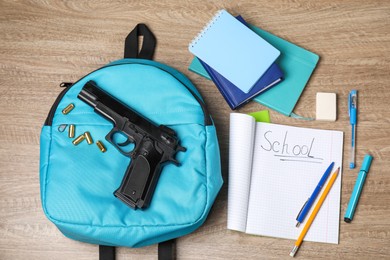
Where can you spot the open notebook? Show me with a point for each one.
(273, 169)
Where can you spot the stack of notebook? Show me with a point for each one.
(243, 61)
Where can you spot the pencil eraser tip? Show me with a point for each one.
(351, 165)
(295, 249)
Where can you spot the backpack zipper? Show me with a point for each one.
(67, 85)
(49, 118)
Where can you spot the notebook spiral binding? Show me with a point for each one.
(205, 29)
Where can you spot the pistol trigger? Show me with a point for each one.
(127, 142)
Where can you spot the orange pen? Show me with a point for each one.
(314, 213)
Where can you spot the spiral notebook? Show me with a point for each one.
(234, 50)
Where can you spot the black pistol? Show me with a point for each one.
(153, 145)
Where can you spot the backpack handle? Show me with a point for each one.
(166, 251)
(148, 45)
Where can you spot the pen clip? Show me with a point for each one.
(349, 103)
(302, 209)
(352, 106)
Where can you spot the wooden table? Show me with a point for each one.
(43, 43)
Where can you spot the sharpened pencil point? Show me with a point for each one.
(293, 251)
(298, 223)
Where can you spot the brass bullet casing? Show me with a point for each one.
(101, 146)
(88, 137)
(71, 131)
(79, 139)
(68, 108)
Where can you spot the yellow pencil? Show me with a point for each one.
(314, 213)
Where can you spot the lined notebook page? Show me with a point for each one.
(241, 143)
(288, 163)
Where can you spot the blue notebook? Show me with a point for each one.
(297, 65)
(233, 95)
(234, 50)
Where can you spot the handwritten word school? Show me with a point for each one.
(288, 151)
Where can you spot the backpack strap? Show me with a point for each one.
(148, 45)
(106, 252)
(167, 250)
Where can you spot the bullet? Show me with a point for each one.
(88, 137)
(67, 109)
(101, 146)
(79, 139)
(71, 131)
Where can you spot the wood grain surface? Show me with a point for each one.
(43, 43)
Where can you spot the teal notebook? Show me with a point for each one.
(234, 50)
(297, 65)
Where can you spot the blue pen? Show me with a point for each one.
(306, 207)
(358, 188)
(352, 103)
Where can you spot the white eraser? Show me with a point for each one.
(326, 106)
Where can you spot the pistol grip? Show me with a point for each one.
(140, 180)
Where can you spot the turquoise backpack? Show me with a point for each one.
(78, 181)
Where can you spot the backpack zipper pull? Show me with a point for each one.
(66, 84)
